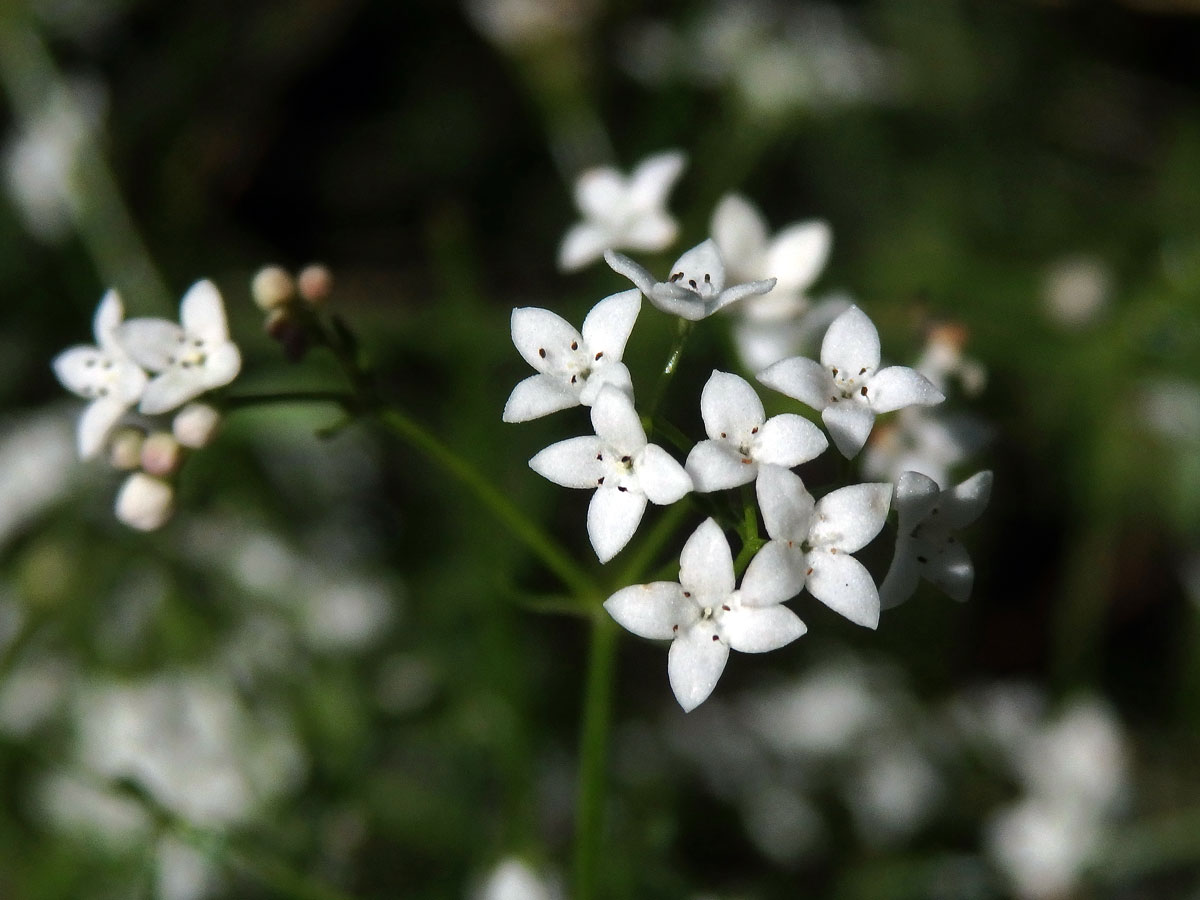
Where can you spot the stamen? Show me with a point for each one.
(674, 278)
(863, 369)
(622, 488)
(864, 390)
(707, 280)
(754, 430)
(625, 459)
(574, 345)
(692, 282)
(600, 354)
(542, 352)
(725, 607)
(835, 371)
(715, 638)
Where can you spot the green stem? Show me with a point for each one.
(682, 331)
(593, 756)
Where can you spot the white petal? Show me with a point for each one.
(695, 663)
(730, 408)
(613, 517)
(108, 318)
(740, 233)
(616, 421)
(706, 564)
(77, 368)
(582, 245)
(950, 569)
(677, 301)
(849, 424)
(541, 336)
(202, 313)
(96, 422)
(788, 440)
(537, 396)
(851, 343)
(652, 611)
(900, 583)
(843, 584)
(967, 501)
(639, 275)
(221, 365)
(787, 507)
(899, 386)
(662, 479)
(601, 194)
(798, 254)
(151, 342)
(703, 265)
(758, 630)
(775, 574)
(651, 232)
(653, 179)
(615, 374)
(609, 323)
(732, 295)
(571, 463)
(762, 344)
(850, 517)
(801, 379)
(171, 389)
(916, 495)
(717, 466)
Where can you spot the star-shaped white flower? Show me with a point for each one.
(925, 544)
(847, 385)
(704, 615)
(572, 367)
(742, 438)
(696, 287)
(105, 374)
(625, 470)
(622, 212)
(817, 538)
(188, 360)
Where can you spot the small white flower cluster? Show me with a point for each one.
(811, 541)
(288, 302)
(157, 367)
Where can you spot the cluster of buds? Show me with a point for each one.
(289, 301)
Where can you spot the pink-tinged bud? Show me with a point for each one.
(272, 288)
(315, 283)
(196, 425)
(145, 502)
(125, 448)
(161, 454)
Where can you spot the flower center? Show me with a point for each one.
(850, 385)
(191, 353)
(700, 285)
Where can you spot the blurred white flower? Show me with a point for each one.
(182, 872)
(623, 213)
(345, 613)
(513, 879)
(1079, 759)
(514, 23)
(894, 791)
(144, 502)
(37, 456)
(1041, 847)
(924, 441)
(942, 359)
(1171, 407)
(1076, 291)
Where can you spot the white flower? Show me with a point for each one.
(847, 386)
(1041, 847)
(572, 367)
(625, 470)
(925, 546)
(104, 373)
(622, 212)
(764, 342)
(817, 538)
(188, 360)
(513, 879)
(704, 615)
(696, 287)
(145, 502)
(741, 438)
(921, 440)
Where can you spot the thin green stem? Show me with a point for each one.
(593, 757)
(682, 331)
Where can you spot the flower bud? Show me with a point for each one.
(161, 454)
(315, 283)
(284, 327)
(145, 502)
(272, 288)
(125, 448)
(196, 425)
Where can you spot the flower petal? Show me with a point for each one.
(849, 425)
(76, 368)
(706, 564)
(652, 180)
(600, 193)
(695, 663)
(851, 343)
(730, 408)
(916, 495)
(677, 301)
(108, 318)
(967, 501)
(850, 517)
(762, 344)
(639, 275)
(787, 507)
(571, 463)
(615, 374)
(609, 323)
(788, 440)
(758, 630)
(582, 245)
(899, 386)
(150, 342)
(663, 480)
(613, 517)
(950, 568)
(740, 233)
(537, 396)
(902, 577)
(221, 365)
(541, 337)
(732, 295)
(798, 254)
(171, 389)
(717, 466)
(96, 422)
(651, 232)
(843, 584)
(801, 379)
(652, 611)
(775, 574)
(701, 265)
(616, 421)
(202, 313)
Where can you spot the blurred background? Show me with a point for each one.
(332, 675)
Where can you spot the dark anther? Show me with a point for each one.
(835, 372)
(724, 607)
(809, 572)
(864, 390)
(625, 459)
(715, 638)
(723, 434)
(863, 369)
(676, 277)
(600, 456)
(542, 352)
(574, 345)
(600, 354)
(692, 282)
(687, 593)
(622, 488)
(600, 480)
(754, 430)
(574, 378)
(674, 627)
(707, 280)
(746, 460)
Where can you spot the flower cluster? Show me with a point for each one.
(150, 367)
(810, 542)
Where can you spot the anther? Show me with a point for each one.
(864, 390)
(862, 370)
(746, 460)
(600, 480)
(542, 352)
(687, 593)
(600, 456)
(809, 572)
(835, 372)
(600, 354)
(692, 282)
(574, 378)
(625, 459)
(725, 607)
(715, 638)
(723, 434)
(574, 345)
(754, 430)
(676, 277)
(622, 488)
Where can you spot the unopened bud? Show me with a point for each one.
(196, 425)
(315, 283)
(125, 448)
(272, 288)
(282, 326)
(145, 502)
(161, 454)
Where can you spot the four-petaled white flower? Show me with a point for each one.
(847, 385)
(696, 287)
(925, 546)
(817, 538)
(572, 367)
(704, 615)
(104, 374)
(625, 470)
(742, 438)
(188, 360)
(622, 212)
